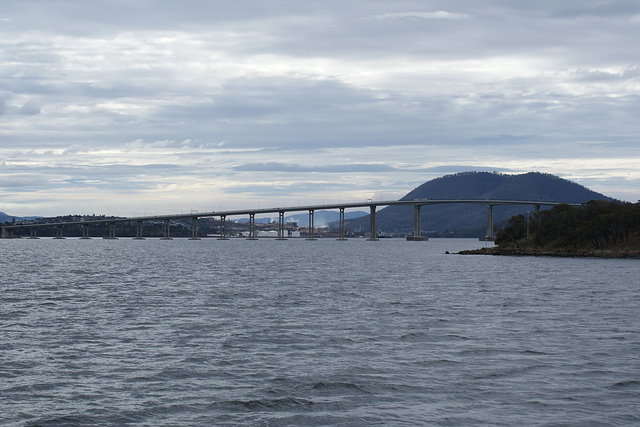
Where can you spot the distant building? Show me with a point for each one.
(269, 233)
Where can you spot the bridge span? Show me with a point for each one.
(8, 231)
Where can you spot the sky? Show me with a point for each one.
(154, 107)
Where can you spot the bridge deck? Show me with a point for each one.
(372, 205)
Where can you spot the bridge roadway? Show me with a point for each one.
(8, 230)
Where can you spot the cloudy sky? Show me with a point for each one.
(134, 107)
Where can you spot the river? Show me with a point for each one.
(308, 333)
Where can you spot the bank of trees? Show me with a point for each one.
(596, 225)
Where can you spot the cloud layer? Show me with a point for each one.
(162, 106)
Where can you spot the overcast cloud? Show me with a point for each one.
(153, 107)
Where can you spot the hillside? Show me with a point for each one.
(470, 220)
(599, 228)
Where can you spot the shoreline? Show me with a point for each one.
(558, 253)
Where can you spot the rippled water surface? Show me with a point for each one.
(296, 332)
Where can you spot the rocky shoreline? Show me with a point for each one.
(635, 254)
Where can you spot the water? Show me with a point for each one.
(356, 333)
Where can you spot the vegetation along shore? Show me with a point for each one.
(606, 229)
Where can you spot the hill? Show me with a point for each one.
(470, 220)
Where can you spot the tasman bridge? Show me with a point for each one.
(9, 230)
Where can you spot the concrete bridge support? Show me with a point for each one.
(417, 226)
(281, 226)
(85, 232)
(252, 226)
(341, 226)
(112, 231)
(538, 214)
(194, 229)
(223, 226)
(33, 233)
(311, 227)
(58, 232)
(166, 230)
(489, 236)
(138, 231)
(372, 223)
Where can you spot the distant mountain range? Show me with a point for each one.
(462, 220)
(8, 218)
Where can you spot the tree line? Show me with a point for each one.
(598, 224)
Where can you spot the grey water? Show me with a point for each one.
(308, 333)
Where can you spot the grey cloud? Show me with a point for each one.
(74, 149)
(278, 83)
(608, 9)
(286, 111)
(109, 178)
(441, 14)
(4, 102)
(293, 190)
(22, 181)
(51, 165)
(360, 168)
(282, 167)
(30, 108)
(628, 74)
(112, 171)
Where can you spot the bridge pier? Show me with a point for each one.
(341, 226)
(194, 229)
(311, 226)
(372, 224)
(489, 237)
(166, 230)
(416, 226)
(252, 227)
(85, 231)
(58, 232)
(138, 231)
(33, 233)
(281, 226)
(112, 231)
(223, 225)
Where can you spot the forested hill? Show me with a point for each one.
(475, 185)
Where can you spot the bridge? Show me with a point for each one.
(8, 231)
